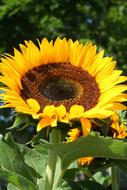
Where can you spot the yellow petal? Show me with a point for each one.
(33, 104)
(76, 111)
(62, 114)
(49, 111)
(97, 113)
(114, 117)
(44, 123)
(61, 110)
(83, 54)
(86, 126)
(73, 134)
(85, 160)
(118, 106)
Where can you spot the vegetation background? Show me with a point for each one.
(104, 22)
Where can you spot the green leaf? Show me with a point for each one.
(122, 115)
(89, 185)
(65, 186)
(92, 145)
(100, 164)
(122, 164)
(41, 184)
(13, 166)
(103, 126)
(40, 136)
(19, 119)
(34, 159)
(81, 185)
(102, 178)
(12, 187)
(70, 174)
(22, 120)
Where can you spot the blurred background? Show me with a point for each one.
(104, 22)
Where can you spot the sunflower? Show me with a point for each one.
(118, 128)
(61, 81)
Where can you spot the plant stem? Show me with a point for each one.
(115, 178)
(55, 137)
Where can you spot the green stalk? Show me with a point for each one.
(115, 178)
(55, 137)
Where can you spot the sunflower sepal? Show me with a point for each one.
(22, 121)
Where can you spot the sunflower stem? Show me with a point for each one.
(115, 178)
(55, 137)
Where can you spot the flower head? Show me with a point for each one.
(73, 134)
(118, 129)
(61, 81)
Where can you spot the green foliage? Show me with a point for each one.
(20, 165)
(90, 185)
(22, 119)
(102, 22)
(25, 168)
(92, 145)
(12, 187)
(13, 167)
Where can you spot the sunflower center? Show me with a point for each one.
(58, 89)
(60, 83)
